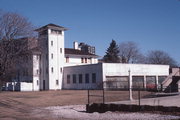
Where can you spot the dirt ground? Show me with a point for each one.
(19, 105)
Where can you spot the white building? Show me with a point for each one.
(114, 75)
(55, 67)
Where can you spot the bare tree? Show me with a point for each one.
(160, 57)
(13, 27)
(129, 53)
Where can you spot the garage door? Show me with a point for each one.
(137, 82)
(151, 82)
(116, 82)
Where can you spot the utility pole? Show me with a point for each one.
(130, 85)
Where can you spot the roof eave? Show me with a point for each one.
(94, 56)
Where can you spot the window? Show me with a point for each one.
(51, 43)
(53, 31)
(80, 78)
(56, 31)
(85, 60)
(67, 59)
(82, 60)
(68, 79)
(37, 71)
(74, 78)
(150, 82)
(57, 82)
(93, 77)
(51, 55)
(120, 82)
(61, 69)
(60, 50)
(37, 82)
(87, 78)
(137, 82)
(59, 32)
(52, 70)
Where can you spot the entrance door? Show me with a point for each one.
(43, 84)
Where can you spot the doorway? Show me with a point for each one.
(43, 84)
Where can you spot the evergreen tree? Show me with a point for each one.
(112, 53)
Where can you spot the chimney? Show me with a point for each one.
(75, 45)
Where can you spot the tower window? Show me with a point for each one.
(56, 31)
(52, 69)
(59, 32)
(57, 82)
(37, 71)
(60, 50)
(61, 69)
(51, 55)
(51, 43)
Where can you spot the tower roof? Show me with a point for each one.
(51, 26)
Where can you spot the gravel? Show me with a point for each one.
(78, 112)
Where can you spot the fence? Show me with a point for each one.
(115, 92)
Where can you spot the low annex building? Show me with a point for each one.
(51, 66)
(114, 76)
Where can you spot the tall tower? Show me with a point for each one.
(51, 43)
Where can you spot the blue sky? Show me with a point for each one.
(152, 24)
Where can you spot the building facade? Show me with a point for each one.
(55, 67)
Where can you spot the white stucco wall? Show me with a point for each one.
(36, 84)
(57, 61)
(52, 43)
(26, 86)
(76, 60)
(113, 69)
(36, 75)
